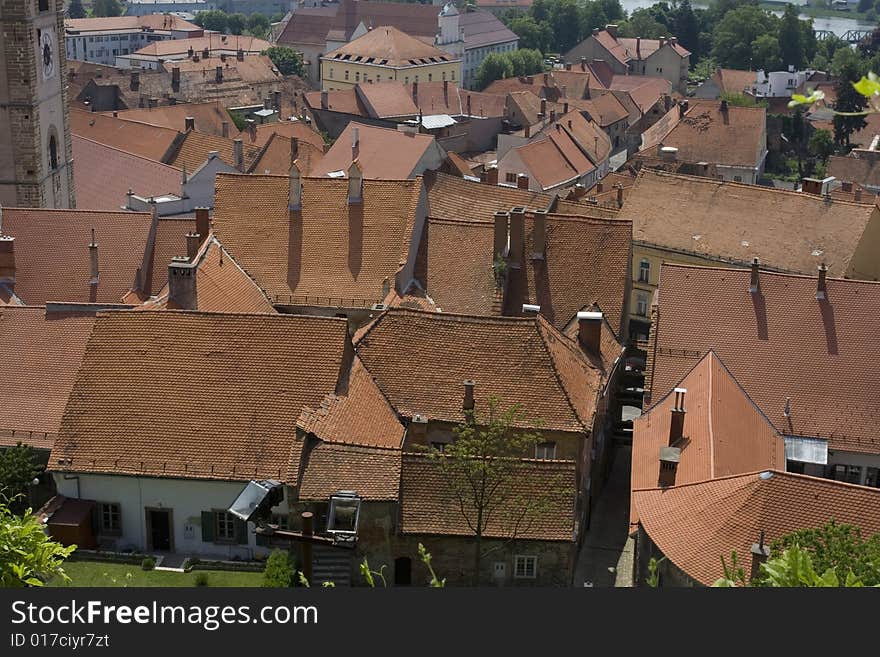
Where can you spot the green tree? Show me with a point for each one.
(739, 99)
(494, 67)
(18, 468)
(821, 145)
(612, 9)
(565, 21)
(642, 24)
(236, 23)
(849, 100)
(287, 60)
(687, 28)
(258, 25)
(736, 34)
(791, 50)
(76, 9)
(280, 570)
(525, 61)
(28, 556)
(480, 465)
(533, 35)
(765, 53)
(845, 59)
(214, 20)
(101, 8)
(865, 5)
(794, 568)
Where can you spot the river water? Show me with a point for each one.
(835, 24)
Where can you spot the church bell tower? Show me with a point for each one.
(36, 158)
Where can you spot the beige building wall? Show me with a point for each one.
(337, 75)
(668, 64)
(865, 262)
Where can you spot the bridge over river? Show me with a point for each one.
(850, 36)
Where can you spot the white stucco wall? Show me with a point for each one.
(186, 498)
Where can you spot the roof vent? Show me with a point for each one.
(378, 306)
(530, 308)
(764, 476)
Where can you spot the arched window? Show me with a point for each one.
(53, 152)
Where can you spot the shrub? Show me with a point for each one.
(280, 570)
(202, 579)
(148, 564)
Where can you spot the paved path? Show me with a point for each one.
(606, 556)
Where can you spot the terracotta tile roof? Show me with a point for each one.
(733, 81)
(275, 157)
(338, 252)
(414, 19)
(432, 99)
(195, 147)
(386, 99)
(237, 384)
(308, 25)
(214, 41)
(451, 197)
(253, 69)
(482, 28)
(429, 506)
(532, 83)
(697, 524)
(170, 241)
(604, 109)
(384, 153)
(160, 22)
(104, 175)
(52, 258)
(725, 433)
(554, 160)
(288, 129)
(861, 170)
(645, 91)
(647, 47)
(346, 102)
(560, 386)
(586, 261)
(209, 117)
(585, 134)
(782, 345)
(221, 285)
(654, 135)
(389, 46)
(576, 82)
(374, 474)
(717, 220)
(614, 46)
(41, 354)
(736, 137)
(147, 141)
(458, 165)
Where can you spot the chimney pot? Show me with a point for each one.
(182, 291)
(522, 181)
(590, 331)
(754, 282)
(203, 223)
(417, 430)
(192, 245)
(189, 123)
(676, 426)
(468, 403)
(821, 286)
(539, 235)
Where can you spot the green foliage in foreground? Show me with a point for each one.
(28, 556)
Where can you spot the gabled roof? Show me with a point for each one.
(451, 197)
(374, 474)
(697, 524)
(252, 69)
(429, 506)
(147, 141)
(388, 46)
(52, 256)
(216, 42)
(554, 160)
(732, 137)
(104, 175)
(734, 81)
(383, 153)
(289, 129)
(586, 134)
(412, 18)
(586, 261)
(482, 28)
(734, 223)
(644, 48)
(308, 25)
(197, 395)
(336, 253)
(386, 99)
(161, 22)
(808, 364)
(604, 109)
(644, 91)
(725, 433)
(559, 389)
(209, 117)
(195, 148)
(41, 354)
(861, 170)
(614, 46)
(170, 241)
(276, 153)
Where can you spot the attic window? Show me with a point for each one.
(342, 519)
(369, 60)
(384, 61)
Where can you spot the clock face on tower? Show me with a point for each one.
(47, 54)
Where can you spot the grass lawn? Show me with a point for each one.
(97, 573)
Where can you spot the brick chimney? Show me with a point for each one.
(355, 144)
(324, 102)
(417, 430)
(415, 92)
(206, 53)
(754, 282)
(94, 273)
(239, 55)
(499, 244)
(175, 79)
(662, 41)
(469, 105)
(355, 183)
(638, 47)
(619, 195)
(189, 123)
(492, 175)
(193, 240)
(669, 458)
(857, 194)
(252, 129)
(590, 331)
(203, 223)
(468, 401)
(522, 181)
(600, 187)
(276, 100)
(517, 236)
(294, 149)
(821, 285)
(544, 106)
(612, 30)
(539, 234)
(182, 290)
(294, 198)
(135, 82)
(760, 555)
(7, 261)
(218, 74)
(238, 154)
(676, 424)
(565, 107)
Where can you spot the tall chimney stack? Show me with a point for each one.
(7, 261)
(517, 236)
(468, 403)
(225, 129)
(218, 74)
(619, 195)
(539, 234)
(492, 175)
(189, 123)
(182, 291)
(754, 282)
(252, 129)
(175, 79)
(417, 430)
(676, 426)
(522, 181)
(355, 144)
(192, 245)
(821, 285)
(238, 154)
(669, 458)
(355, 183)
(203, 223)
(760, 555)
(294, 202)
(590, 331)
(500, 241)
(93, 257)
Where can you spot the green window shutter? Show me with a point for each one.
(208, 526)
(241, 531)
